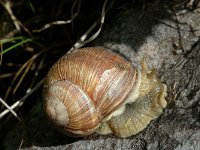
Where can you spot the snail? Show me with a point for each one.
(95, 90)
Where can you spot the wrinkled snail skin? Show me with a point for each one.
(95, 90)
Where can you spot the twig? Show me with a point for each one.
(21, 143)
(10, 34)
(23, 76)
(17, 23)
(36, 74)
(7, 6)
(1, 53)
(74, 15)
(82, 41)
(21, 101)
(26, 66)
(6, 75)
(61, 22)
(9, 109)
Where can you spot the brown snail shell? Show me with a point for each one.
(94, 90)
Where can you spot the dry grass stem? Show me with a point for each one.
(9, 109)
(1, 53)
(17, 23)
(7, 75)
(62, 22)
(21, 101)
(83, 40)
(23, 70)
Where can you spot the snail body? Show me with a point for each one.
(94, 90)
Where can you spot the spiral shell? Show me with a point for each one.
(94, 89)
(88, 85)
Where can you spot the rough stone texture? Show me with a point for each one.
(171, 44)
(101, 144)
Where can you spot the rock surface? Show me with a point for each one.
(171, 43)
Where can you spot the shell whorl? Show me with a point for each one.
(79, 115)
(55, 109)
